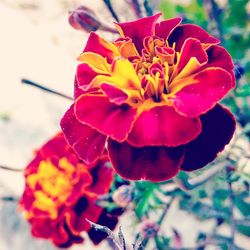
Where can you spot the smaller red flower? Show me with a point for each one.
(61, 192)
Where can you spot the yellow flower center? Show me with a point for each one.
(53, 185)
(150, 78)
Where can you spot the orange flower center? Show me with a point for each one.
(150, 78)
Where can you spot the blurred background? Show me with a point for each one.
(37, 43)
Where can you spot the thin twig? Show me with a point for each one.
(11, 169)
(165, 211)
(121, 239)
(199, 245)
(111, 10)
(162, 217)
(231, 205)
(214, 16)
(147, 7)
(28, 82)
(9, 198)
(109, 233)
(189, 184)
(136, 7)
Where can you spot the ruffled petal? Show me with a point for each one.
(77, 91)
(218, 126)
(85, 208)
(163, 126)
(192, 57)
(138, 30)
(102, 175)
(86, 142)
(182, 32)
(102, 47)
(164, 28)
(201, 91)
(84, 75)
(146, 163)
(219, 57)
(116, 95)
(110, 119)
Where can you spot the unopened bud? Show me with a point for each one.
(85, 19)
(123, 195)
(149, 229)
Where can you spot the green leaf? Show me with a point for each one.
(243, 91)
(243, 228)
(242, 205)
(162, 242)
(144, 197)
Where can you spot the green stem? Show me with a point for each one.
(187, 184)
(147, 7)
(111, 10)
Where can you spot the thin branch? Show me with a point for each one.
(109, 233)
(121, 239)
(136, 7)
(28, 82)
(111, 10)
(231, 205)
(165, 211)
(148, 8)
(199, 245)
(10, 169)
(188, 184)
(9, 198)
(214, 16)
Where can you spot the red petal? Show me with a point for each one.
(218, 126)
(56, 146)
(219, 57)
(87, 142)
(209, 87)
(85, 208)
(108, 118)
(138, 30)
(163, 126)
(77, 90)
(84, 75)
(182, 32)
(164, 28)
(42, 227)
(115, 94)
(102, 175)
(146, 163)
(191, 48)
(100, 46)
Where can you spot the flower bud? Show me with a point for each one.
(123, 195)
(149, 229)
(84, 19)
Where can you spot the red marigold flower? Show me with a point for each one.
(153, 95)
(61, 192)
